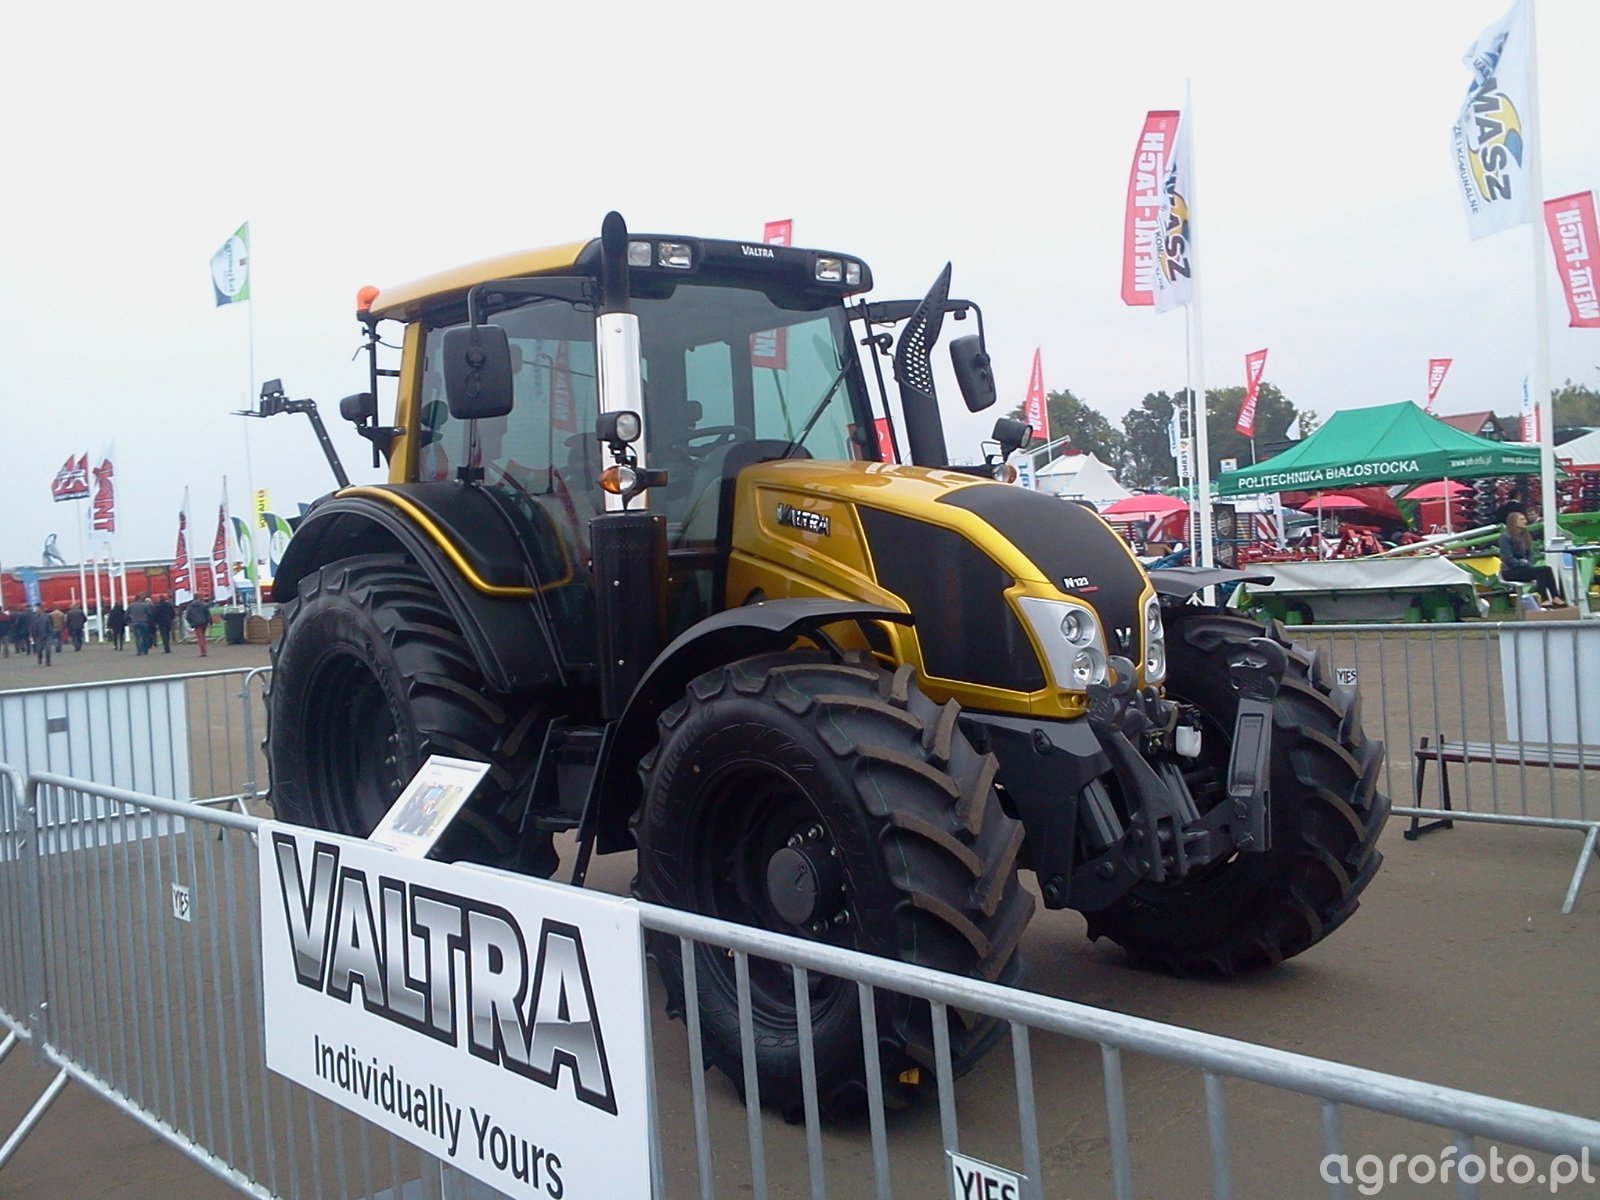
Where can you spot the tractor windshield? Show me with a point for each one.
(723, 366)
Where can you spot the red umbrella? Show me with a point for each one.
(1440, 489)
(1334, 502)
(1139, 508)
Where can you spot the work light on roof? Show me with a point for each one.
(830, 270)
(852, 273)
(640, 254)
(674, 254)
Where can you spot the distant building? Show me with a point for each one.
(1485, 425)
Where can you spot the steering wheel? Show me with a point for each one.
(704, 440)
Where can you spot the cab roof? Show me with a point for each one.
(407, 301)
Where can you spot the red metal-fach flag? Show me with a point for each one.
(1570, 221)
(103, 509)
(770, 348)
(1141, 230)
(1034, 409)
(221, 569)
(182, 579)
(72, 481)
(1255, 363)
(1436, 371)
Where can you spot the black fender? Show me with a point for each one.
(724, 637)
(1179, 583)
(505, 627)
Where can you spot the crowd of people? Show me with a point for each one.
(145, 621)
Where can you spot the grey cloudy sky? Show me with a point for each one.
(373, 144)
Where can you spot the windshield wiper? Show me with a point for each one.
(817, 412)
(823, 348)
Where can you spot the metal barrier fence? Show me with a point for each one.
(140, 918)
(1488, 722)
(193, 737)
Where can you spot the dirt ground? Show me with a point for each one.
(1458, 969)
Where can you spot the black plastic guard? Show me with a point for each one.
(721, 638)
(508, 636)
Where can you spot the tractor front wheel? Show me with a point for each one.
(1255, 910)
(831, 801)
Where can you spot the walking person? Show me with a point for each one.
(198, 617)
(58, 623)
(1516, 558)
(139, 622)
(162, 614)
(21, 630)
(77, 619)
(45, 637)
(119, 624)
(5, 632)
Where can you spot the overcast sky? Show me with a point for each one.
(373, 144)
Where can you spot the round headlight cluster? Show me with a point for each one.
(1078, 627)
(1155, 643)
(1088, 667)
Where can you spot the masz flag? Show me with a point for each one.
(1174, 274)
(1491, 136)
(1141, 228)
(1570, 221)
(72, 480)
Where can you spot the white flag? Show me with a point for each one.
(1173, 285)
(1491, 137)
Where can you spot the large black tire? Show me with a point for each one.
(1255, 910)
(846, 776)
(370, 677)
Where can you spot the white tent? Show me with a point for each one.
(1581, 451)
(1080, 477)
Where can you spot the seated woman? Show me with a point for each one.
(1516, 558)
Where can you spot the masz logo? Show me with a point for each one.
(757, 251)
(1173, 245)
(402, 946)
(799, 518)
(1495, 142)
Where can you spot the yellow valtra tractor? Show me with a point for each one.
(644, 550)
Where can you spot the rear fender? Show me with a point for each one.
(719, 639)
(504, 626)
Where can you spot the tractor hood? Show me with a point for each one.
(956, 551)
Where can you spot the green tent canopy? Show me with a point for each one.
(1392, 443)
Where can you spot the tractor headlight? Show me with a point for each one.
(830, 270)
(674, 254)
(1088, 666)
(1078, 627)
(1155, 643)
(1069, 634)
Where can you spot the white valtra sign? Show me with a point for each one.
(495, 1021)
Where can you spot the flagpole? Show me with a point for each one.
(83, 579)
(1543, 406)
(1197, 348)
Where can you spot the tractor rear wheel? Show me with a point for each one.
(831, 801)
(1255, 910)
(370, 677)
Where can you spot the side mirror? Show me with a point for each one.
(359, 408)
(477, 371)
(1013, 435)
(974, 372)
